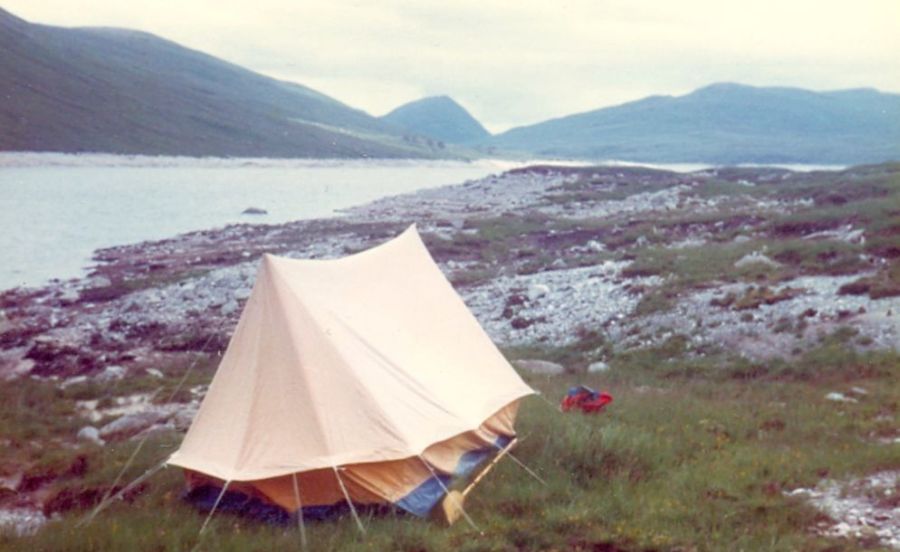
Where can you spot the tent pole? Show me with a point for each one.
(209, 517)
(215, 505)
(349, 502)
(454, 497)
(299, 512)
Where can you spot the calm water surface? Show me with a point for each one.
(56, 210)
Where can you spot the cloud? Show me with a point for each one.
(513, 63)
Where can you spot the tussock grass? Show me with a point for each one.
(692, 455)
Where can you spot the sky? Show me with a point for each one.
(512, 63)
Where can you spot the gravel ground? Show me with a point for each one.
(866, 508)
(21, 521)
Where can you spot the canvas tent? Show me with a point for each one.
(363, 378)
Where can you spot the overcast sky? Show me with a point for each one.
(518, 62)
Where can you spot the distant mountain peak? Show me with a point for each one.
(722, 86)
(439, 99)
(725, 123)
(730, 89)
(439, 117)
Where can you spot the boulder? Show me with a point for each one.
(184, 418)
(69, 295)
(98, 282)
(129, 425)
(598, 366)
(154, 373)
(156, 430)
(73, 381)
(537, 290)
(230, 307)
(595, 246)
(541, 367)
(839, 397)
(111, 373)
(755, 258)
(90, 434)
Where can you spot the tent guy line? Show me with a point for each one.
(369, 356)
(106, 497)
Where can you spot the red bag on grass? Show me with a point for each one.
(585, 399)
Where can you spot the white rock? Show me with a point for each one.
(599, 366)
(69, 295)
(156, 430)
(537, 290)
(842, 528)
(72, 381)
(229, 307)
(595, 246)
(91, 434)
(131, 424)
(755, 258)
(541, 367)
(839, 397)
(21, 521)
(154, 372)
(111, 373)
(97, 282)
(184, 418)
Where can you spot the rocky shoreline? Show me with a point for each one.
(562, 272)
(608, 259)
(564, 266)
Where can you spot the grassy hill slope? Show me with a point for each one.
(129, 92)
(724, 124)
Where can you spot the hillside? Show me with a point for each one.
(726, 123)
(438, 117)
(121, 91)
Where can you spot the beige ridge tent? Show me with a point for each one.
(363, 379)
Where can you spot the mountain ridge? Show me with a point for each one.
(110, 90)
(439, 117)
(725, 123)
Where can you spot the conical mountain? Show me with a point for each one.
(438, 117)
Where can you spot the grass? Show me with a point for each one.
(693, 455)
